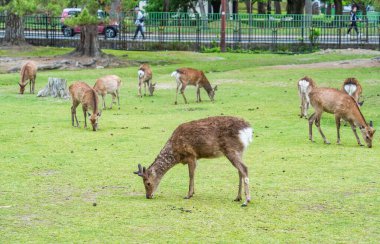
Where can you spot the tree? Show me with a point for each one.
(338, 7)
(277, 6)
(14, 26)
(295, 6)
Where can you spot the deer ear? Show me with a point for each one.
(89, 115)
(139, 172)
(99, 113)
(371, 124)
(361, 103)
(216, 88)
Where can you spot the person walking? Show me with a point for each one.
(353, 19)
(139, 23)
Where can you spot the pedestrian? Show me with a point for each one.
(353, 19)
(139, 23)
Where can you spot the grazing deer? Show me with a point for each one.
(189, 76)
(205, 138)
(353, 88)
(343, 107)
(108, 84)
(305, 85)
(28, 72)
(82, 93)
(145, 77)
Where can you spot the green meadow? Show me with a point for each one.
(59, 183)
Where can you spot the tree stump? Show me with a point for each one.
(56, 87)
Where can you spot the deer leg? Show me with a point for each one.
(85, 117)
(318, 124)
(235, 159)
(353, 127)
(34, 82)
(302, 106)
(103, 102)
(113, 100)
(192, 163)
(74, 114)
(139, 89)
(197, 92)
(176, 93)
(311, 121)
(183, 93)
(118, 99)
(144, 88)
(307, 104)
(238, 198)
(30, 87)
(337, 122)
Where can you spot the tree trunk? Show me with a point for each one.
(295, 6)
(248, 5)
(235, 7)
(338, 7)
(328, 9)
(261, 8)
(166, 5)
(89, 44)
(308, 7)
(269, 7)
(14, 30)
(215, 6)
(277, 7)
(55, 87)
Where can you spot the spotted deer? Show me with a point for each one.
(305, 85)
(343, 106)
(145, 77)
(205, 138)
(353, 88)
(82, 93)
(109, 84)
(28, 73)
(189, 76)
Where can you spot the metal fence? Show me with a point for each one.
(243, 31)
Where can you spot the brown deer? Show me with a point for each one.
(189, 76)
(145, 77)
(353, 88)
(82, 93)
(109, 84)
(28, 72)
(205, 138)
(343, 106)
(305, 85)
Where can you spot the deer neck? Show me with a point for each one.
(207, 86)
(359, 118)
(163, 162)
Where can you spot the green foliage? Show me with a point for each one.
(314, 35)
(19, 7)
(84, 18)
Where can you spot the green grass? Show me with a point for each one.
(52, 173)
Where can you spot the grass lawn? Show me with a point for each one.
(51, 174)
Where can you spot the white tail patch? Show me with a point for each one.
(140, 73)
(303, 86)
(350, 89)
(245, 136)
(176, 75)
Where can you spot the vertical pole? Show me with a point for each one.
(223, 28)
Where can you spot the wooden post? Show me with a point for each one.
(223, 28)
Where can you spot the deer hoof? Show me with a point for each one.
(237, 199)
(361, 145)
(327, 142)
(188, 197)
(244, 205)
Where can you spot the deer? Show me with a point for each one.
(109, 84)
(211, 137)
(305, 85)
(353, 88)
(28, 73)
(145, 77)
(343, 106)
(82, 93)
(189, 76)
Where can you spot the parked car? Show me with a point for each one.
(109, 30)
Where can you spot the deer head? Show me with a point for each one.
(151, 88)
(211, 94)
(22, 87)
(149, 181)
(367, 133)
(94, 120)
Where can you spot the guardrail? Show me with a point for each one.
(194, 32)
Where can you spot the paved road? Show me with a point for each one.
(207, 38)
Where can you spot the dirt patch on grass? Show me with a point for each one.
(12, 64)
(346, 64)
(349, 51)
